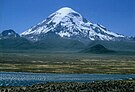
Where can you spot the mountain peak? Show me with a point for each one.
(68, 23)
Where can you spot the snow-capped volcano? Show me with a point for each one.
(68, 23)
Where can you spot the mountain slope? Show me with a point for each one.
(9, 39)
(15, 43)
(69, 24)
(54, 42)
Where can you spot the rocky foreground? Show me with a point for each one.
(99, 86)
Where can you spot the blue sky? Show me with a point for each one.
(116, 15)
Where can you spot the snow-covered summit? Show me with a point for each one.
(65, 10)
(68, 23)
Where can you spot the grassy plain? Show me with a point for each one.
(66, 62)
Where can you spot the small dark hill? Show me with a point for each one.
(8, 34)
(115, 45)
(97, 49)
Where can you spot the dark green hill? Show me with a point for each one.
(116, 45)
(97, 49)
